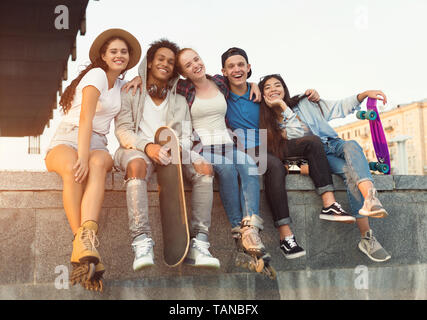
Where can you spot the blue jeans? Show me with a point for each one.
(231, 164)
(346, 159)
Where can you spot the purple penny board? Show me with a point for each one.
(378, 137)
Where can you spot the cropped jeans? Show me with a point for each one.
(308, 147)
(231, 164)
(346, 159)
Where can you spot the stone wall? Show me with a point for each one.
(35, 247)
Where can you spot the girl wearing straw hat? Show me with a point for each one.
(78, 151)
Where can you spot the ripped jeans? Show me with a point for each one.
(346, 159)
(232, 166)
(137, 196)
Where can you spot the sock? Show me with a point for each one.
(140, 237)
(289, 237)
(202, 237)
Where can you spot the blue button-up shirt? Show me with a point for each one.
(243, 118)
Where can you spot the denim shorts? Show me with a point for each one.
(68, 133)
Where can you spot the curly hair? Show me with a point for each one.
(162, 43)
(68, 95)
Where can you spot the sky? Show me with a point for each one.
(340, 48)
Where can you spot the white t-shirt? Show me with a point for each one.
(153, 117)
(108, 105)
(208, 118)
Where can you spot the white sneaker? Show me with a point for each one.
(144, 254)
(199, 255)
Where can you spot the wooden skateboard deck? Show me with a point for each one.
(378, 137)
(173, 211)
(300, 162)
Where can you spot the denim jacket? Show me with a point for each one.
(316, 119)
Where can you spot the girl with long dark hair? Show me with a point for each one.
(299, 118)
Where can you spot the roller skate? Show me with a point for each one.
(251, 253)
(95, 283)
(85, 259)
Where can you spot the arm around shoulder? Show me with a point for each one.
(125, 122)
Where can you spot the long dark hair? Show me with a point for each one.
(68, 95)
(268, 117)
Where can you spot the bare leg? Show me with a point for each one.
(203, 168)
(363, 225)
(328, 198)
(100, 162)
(61, 160)
(285, 231)
(364, 187)
(136, 168)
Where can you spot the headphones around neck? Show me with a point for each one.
(154, 92)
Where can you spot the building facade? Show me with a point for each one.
(408, 120)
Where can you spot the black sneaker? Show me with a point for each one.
(290, 248)
(336, 213)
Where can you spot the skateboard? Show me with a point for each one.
(301, 163)
(173, 211)
(378, 137)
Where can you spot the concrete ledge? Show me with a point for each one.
(43, 181)
(407, 282)
(35, 242)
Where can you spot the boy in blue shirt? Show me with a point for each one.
(243, 118)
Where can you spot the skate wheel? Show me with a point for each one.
(82, 272)
(384, 168)
(93, 285)
(251, 266)
(237, 262)
(373, 166)
(259, 265)
(371, 115)
(361, 115)
(91, 271)
(271, 272)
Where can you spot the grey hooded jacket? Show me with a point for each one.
(128, 119)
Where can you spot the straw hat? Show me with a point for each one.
(107, 34)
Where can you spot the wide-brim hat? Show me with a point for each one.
(107, 34)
